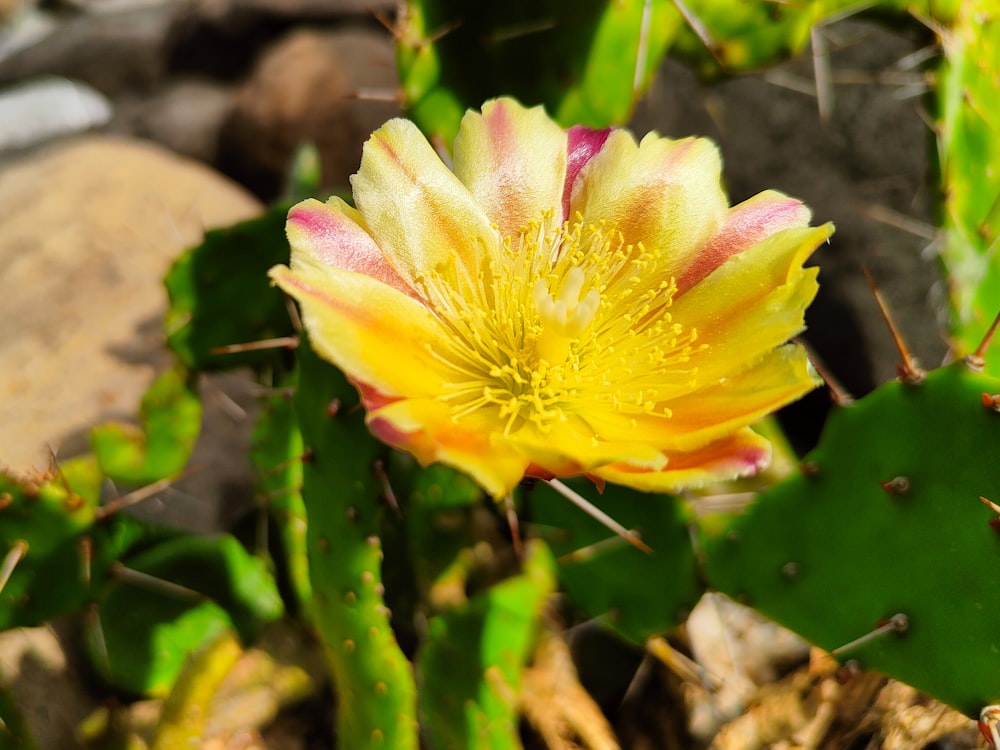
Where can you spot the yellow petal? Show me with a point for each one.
(571, 447)
(663, 193)
(426, 428)
(708, 414)
(377, 335)
(746, 224)
(334, 234)
(738, 455)
(752, 303)
(421, 216)
(513, 161)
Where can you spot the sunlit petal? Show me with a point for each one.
(741, 454)
(426, 428)
(418, 212)
(374, 333)
(662, 193)
(513, 160)
(334, 234)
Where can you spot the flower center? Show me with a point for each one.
(567, 320)
(564, 317)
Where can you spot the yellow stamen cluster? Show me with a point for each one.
(567, 320)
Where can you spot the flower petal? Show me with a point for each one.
(663, 193)
(746, 224)
(418, 212)
(334, 234)
(374, 333)
(571, 448)
(708, 414)
(426, 428)
(753, 302)
(513, 161)
(583, 144)
(741, 454)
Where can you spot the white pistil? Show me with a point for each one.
(565, 317)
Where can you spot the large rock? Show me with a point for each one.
(306, 89)
(88, 230)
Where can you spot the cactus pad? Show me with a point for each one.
(886, 521)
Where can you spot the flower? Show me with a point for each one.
(560, 302)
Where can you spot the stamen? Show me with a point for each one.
(570, 319)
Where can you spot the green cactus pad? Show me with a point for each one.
(604, 584)
(578, 59)
(969, 154)
(47, 520)
(376, 694)
(886, 520)
(199, 586)
(277, 453)
(220, 295)
(470, 666)
(170, 416)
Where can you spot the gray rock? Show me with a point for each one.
(48, 107)
(113, 52)
(185, 116)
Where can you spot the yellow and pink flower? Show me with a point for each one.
(560, 302)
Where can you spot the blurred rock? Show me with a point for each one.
(305, 89)
(47, 683)
(185, 116)
(47, 107)
(113, 52)
(88, 229)
(223, 37)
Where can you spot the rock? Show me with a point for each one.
(44, 108)
(241, 27)
(112, 52)
(47, 683)
(89, 229)
(305, 89)
(186, 116)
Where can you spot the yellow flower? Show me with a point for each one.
(560, 302)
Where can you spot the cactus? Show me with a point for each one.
(471, 663)
(969, 152)
(167, 600)
(170, 416)
(220, 297)
(883, 530)
(600, 574)
(278, 454)
(375, 687)
(586, 62)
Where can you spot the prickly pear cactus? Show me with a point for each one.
(969, 153)
(880, 549)
(599, 571)
(170, 416)
(471, 663)
(220, 297)
(587, 62)
(376, 693)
